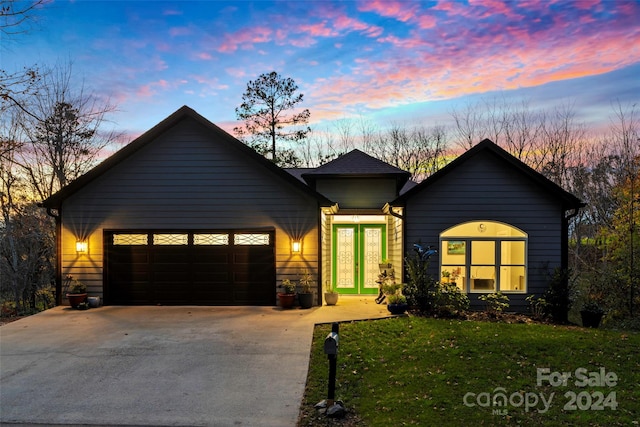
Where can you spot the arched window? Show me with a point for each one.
(484, 256)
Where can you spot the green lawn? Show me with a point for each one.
(419, 371)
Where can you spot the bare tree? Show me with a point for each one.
(419, 150)
(64, 129)
(521, 132)
(562, 138)
(626, 131)
(52, 137)
(469, 126)
(16, 16)
(317, 149)
(26, 236)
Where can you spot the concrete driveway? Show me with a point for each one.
(186, 366)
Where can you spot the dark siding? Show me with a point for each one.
(363, 193)
(488, 189)
(188, 179)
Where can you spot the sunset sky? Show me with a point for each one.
(387, 61)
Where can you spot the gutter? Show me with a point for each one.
(388, 209)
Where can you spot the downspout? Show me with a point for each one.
(320, 258)
(389, 209)
(320, 287)
(564, 258)
(58, 217)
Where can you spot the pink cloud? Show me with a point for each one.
(171, 12)
(402, 11)
(467, 60)
(204, 56)
(319, 29)
(588, 4)
(426, 21)
(405, 43)
(343, 22)
(494, 7)
(245, 38)
(180, 31)
(210, 82)
(335, 23)
(153, 88)
(236, 72)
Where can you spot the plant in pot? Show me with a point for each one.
(76, 292)
(385, 264)
(330, 295)
(306, 296)
(386, 285)
(591, 314)
(288, 295)
(397, 303)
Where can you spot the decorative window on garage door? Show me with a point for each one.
(251, 239)
(213, 239)
(171, 239)
(129, 239)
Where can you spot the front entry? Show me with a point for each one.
(357, 251)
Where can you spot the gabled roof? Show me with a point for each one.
(569, 201)
(357, 164)
(181, 114)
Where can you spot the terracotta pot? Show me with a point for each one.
(76, 299)
(286, 300)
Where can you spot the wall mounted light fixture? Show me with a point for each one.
(82, 246)
(296, 246)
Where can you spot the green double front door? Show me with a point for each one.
(357, 251)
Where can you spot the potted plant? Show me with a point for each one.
(445, 276)
(288, 296)
(330, 295)
(77, 292)
(384, 265)
(396, 303)
(306, 296)
(386, 285)
(591, 314)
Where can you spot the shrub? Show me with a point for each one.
(420, 288)
(496, 302)
(558, 295)
(539, 307)
(449, 300)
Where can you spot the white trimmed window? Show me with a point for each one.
(484, 257)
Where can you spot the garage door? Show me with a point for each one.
(190, 267)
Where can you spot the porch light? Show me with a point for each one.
(296, 246)
(81, 246)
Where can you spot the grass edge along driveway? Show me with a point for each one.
(424, 371)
